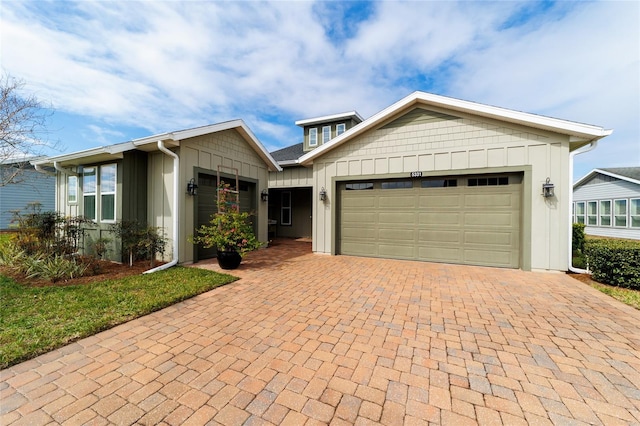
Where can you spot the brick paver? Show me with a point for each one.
(314, 339)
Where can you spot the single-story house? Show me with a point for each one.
(437, 179)
(29, 191)
(152, 180)
(607, 201)
(429, 178)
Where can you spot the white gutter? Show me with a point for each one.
(39, 168)
(572, 154)
(62, 170)
(176, 208)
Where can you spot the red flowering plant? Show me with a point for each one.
(228, 229)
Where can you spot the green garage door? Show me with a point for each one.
(472, 220)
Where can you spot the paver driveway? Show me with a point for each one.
(313, 339)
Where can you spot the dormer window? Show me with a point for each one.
(340, 129)
(326, 134)
(313, 136)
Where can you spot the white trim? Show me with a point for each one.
(631, 215)
(583, 132)
(333, 117)
(315, 140)
(600, 215)
(114, 193)
(593, 172)
(344, 128)
(328, 132)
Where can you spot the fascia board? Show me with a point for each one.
(333, 117)
(603, 172)
(569, 128)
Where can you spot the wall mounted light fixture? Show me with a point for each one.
(192, 187)
(264, 195)
(323, 194)
(548, 189)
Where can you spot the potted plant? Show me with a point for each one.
(229, 231)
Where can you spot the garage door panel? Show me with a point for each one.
(494, 219)
(396, 218)
(437, 202)
(434, 236)
(488, 237)
(477, 225)
(396, 234)
(440, 254)
(358, 202)
(397, 251)
(448, 218)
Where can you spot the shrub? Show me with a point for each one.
(578, 238)
(615, 262)
(53, 268)
(139, 241)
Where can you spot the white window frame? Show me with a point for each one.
(601, 215)
(576, 215)
(103, 192)
(285, 206)
(326, 134)
(72, 189)
(625, 215)
(313, 136)
(590, 215)
(634, 215)
(339, 127)
(87, 192)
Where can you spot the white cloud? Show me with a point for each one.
(170, 65)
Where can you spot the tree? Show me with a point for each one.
(22, 129)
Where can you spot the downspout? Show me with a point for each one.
(176, 207)
(572, 154)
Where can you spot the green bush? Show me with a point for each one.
(578, 238)
(615, 262)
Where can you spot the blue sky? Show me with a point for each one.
(119, 70)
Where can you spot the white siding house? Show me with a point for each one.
(607, 201)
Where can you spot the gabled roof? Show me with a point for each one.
(327, 118)
(288, 155)
(630, 174)
(149, 144)
(579, 133)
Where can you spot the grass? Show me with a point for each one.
(625, 295)
(35, 320)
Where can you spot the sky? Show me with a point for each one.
(113, 71)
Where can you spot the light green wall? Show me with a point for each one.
(439, 145)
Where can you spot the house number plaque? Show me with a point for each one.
(416, 174)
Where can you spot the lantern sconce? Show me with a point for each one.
(548, 189)
(323, 194)
(192, 187)
(264, 195)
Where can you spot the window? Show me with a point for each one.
(592, 213)
(359, 186)
(285, 211)
(492, 181)
(579, 212)
(326, 134)
(340, 129)
(398, 184)
(439, 183)
(89, 192)
(72, 189)
(605, 213)
(620, 213)
(634, 212)
(313, 136)
(108, 192)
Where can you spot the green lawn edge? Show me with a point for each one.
(36, 320)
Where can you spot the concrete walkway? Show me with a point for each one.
(314, 339)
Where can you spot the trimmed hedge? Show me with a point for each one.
(615, 262)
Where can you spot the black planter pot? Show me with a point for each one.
(229, 259)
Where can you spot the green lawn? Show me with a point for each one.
(625, 295)
(35, 320)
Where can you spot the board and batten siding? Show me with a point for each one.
(205, 153)
(438, 142)
(613, 190)
(292, 177)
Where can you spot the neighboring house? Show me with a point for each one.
(607, 201)
(146, 180)
(435, 179)
(31, 190)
